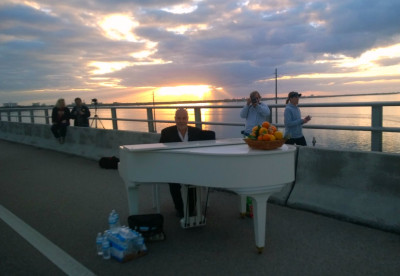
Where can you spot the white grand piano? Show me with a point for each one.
(225, 163)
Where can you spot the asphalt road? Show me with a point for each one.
(62, 201)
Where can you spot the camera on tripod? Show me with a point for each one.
(96, 118)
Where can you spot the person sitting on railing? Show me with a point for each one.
(255, 112)
(80, 113)
(181, 132)
(293, 120)
(60, 119)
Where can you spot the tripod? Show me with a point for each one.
(96, 118)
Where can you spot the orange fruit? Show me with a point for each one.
(272, 128)
(259, 138)
(254, 129)
(265, 124)
(272, 137)
(266, 137)
(278, 135)
(263, 130)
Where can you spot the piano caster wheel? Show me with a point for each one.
(242, 215)
(260, 250)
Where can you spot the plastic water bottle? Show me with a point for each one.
(116, 216)
(106, 249)
(140, 243)
(99, 244)
(113, 221)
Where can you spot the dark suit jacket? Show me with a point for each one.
(170, 134)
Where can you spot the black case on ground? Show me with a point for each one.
(149, 225)
(109, 162)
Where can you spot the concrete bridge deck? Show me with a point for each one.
(59, 202)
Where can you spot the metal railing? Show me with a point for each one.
(376, 127)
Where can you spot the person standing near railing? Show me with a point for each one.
(60, 119)
(255, 112)
(293, 120)
(80, 113)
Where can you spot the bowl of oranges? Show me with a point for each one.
(265, 137)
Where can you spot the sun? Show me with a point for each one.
(183, 93)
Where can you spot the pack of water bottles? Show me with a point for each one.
(120, 242)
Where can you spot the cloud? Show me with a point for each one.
(54, 46)
(389, 61)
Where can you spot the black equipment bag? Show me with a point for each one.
(150, 226)
(109, 162)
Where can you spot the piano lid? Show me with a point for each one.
(228, 147)
(182, 145)
(231, 150)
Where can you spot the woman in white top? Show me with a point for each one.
(293, 120)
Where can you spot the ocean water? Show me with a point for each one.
(335, 139)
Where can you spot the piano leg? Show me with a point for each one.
(260, 218)
(133, 199)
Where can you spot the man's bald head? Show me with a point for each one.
(181, 118)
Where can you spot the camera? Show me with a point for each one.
(254, 99)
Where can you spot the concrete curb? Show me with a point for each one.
(362, 187)
(91, 143)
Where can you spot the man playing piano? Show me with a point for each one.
(181, 132)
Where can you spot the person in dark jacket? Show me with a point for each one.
(80, 113)
(60, 119)
(181, 132)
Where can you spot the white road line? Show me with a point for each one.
(55, 254)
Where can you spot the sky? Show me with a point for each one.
(139, 50)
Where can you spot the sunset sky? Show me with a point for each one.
(128, 50)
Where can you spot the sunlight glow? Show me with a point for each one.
(108, 82)
(38, 7)
(183, 93)
(367, 60)
(382, 81)
(181, 9)
(142, 54)
(191, 28)
(107, 67)
(366, 65)
(32, 4)
(120, 27)
(150, 62)
(390, 71)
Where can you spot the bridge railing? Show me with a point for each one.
(376, 116)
